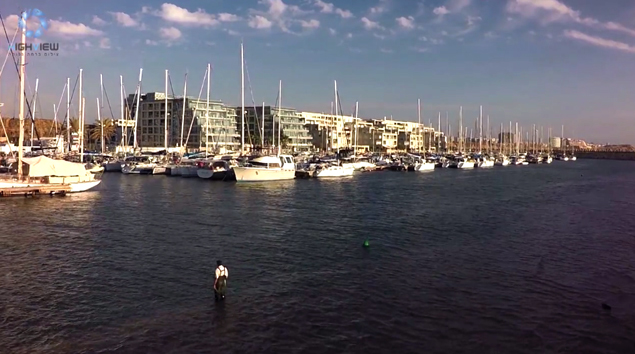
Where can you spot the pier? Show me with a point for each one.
(34, 191)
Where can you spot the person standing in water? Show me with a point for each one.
(220, 284)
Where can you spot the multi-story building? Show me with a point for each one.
(293, 130)
(328, 131)
(199, 126)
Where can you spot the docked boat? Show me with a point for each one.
(424, 165)
(266, 168)
(501, 161)
(138, 165)
(216, 170)
(42, 171)
(344, 170)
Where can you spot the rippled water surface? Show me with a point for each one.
(505, 260)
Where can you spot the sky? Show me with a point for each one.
(543, 62)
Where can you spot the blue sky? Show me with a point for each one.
(544, 62)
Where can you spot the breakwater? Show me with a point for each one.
(606, 155)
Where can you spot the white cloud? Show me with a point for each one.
(406, 22)
(420, 49)
(471, 20)
(277, 14)
(332, 31)
(310, 24)
(259, 22)
(150, 42)
(370, 25)
(232, 33)
(170, 33)
(349, 35)
(490, 35)
(104, 43)
(441, 10)
(458, 5)
(423, 38)
(381, 7)
(547, 11)
(68, 29)
(175, 14)
(225, 17)
(124, 19)
(344, 13)
(386, 50)
(98, 21)
(598, 41)
(379, 36)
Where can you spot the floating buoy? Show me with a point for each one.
(366, 243)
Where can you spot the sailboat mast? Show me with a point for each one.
(262, 134)
(101, 125)
(209, 75)
(242, 99)
(337, 135)
(136, 115)
(461, 129)
(165, 114)
(356, 115)
(81, 129)
(37, 81)
(21, 103)
(183, 109)
(419, 115)
(488, 133)
(279, 118)
(480, 130)
(124, 126)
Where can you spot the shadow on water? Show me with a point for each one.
(515, 260)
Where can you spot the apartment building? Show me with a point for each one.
(198, 126)
(294, 132)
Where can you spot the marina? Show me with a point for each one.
(385, 177)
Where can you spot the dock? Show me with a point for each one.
(35, 190)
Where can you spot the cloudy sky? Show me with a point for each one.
(544, 62)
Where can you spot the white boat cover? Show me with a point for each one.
(42, 166)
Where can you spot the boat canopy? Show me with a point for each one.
(43, 166)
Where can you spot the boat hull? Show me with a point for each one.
(335, 172)
(428, 166)
(250, 174)
(76, 187)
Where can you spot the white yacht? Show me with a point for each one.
(266, 168)
(335, 171)
(501, 161)
(424, 165)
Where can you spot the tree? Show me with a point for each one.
(109, 130)
(285, 141)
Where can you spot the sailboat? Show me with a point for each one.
(339, 169)
(264, 168)
(41, 171)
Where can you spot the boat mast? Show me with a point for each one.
(480, 131)
(262, 134)
(124, 121)
(136, 114)
(165, 114)
(209, 75)
(37, 81)
(419, 126)
(101, 123)
(337, 135)
(242, 100)
(79, 115)
(68, 112)
(501, 140)
(183, 110)
(279, 117)
(461, 129)
(21, 104)
(488, 133)
(356, 115)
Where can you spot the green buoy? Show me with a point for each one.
(366, 243)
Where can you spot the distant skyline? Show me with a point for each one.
(543, 62)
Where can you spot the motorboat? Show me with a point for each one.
(266, 168)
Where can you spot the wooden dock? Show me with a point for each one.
(35, 190)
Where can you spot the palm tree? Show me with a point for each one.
(109, 130)
(285, 141)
